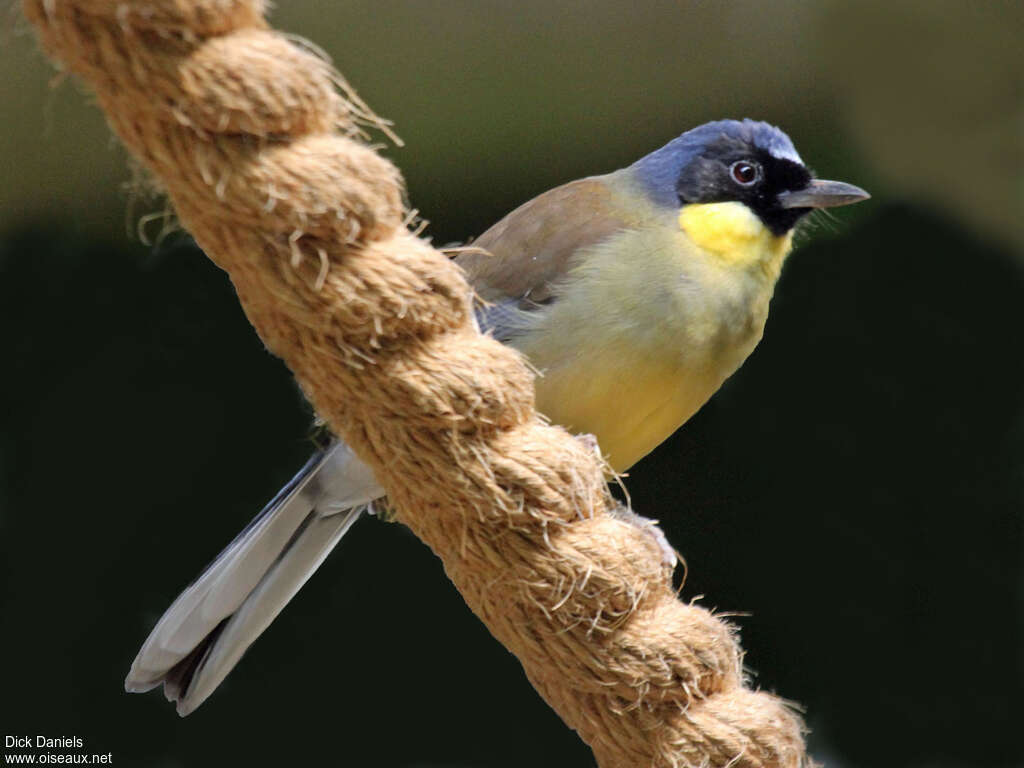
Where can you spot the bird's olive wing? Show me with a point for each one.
(517, 265)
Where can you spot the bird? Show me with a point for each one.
(634, 294)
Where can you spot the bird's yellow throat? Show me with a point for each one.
(735, 235)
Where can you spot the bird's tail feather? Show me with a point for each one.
(206, 630)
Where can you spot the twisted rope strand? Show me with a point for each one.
(261, 157)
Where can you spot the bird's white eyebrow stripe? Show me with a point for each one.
(785, 153)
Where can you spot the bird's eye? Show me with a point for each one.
(745, 173)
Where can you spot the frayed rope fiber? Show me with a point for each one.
(256, 141)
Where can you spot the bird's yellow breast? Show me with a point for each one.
(650, 322)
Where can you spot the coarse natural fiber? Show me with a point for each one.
(256, 141)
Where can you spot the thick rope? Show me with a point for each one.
(259, 153)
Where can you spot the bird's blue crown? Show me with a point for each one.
(660, 171)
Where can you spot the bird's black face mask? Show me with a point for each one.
(733, 170)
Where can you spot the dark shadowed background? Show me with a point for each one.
(855, 491)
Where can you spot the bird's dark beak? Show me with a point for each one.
(823, 194)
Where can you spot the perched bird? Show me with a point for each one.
(635, 294)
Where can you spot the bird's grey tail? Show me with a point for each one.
(206, 630)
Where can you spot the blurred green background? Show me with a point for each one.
(856, 490)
